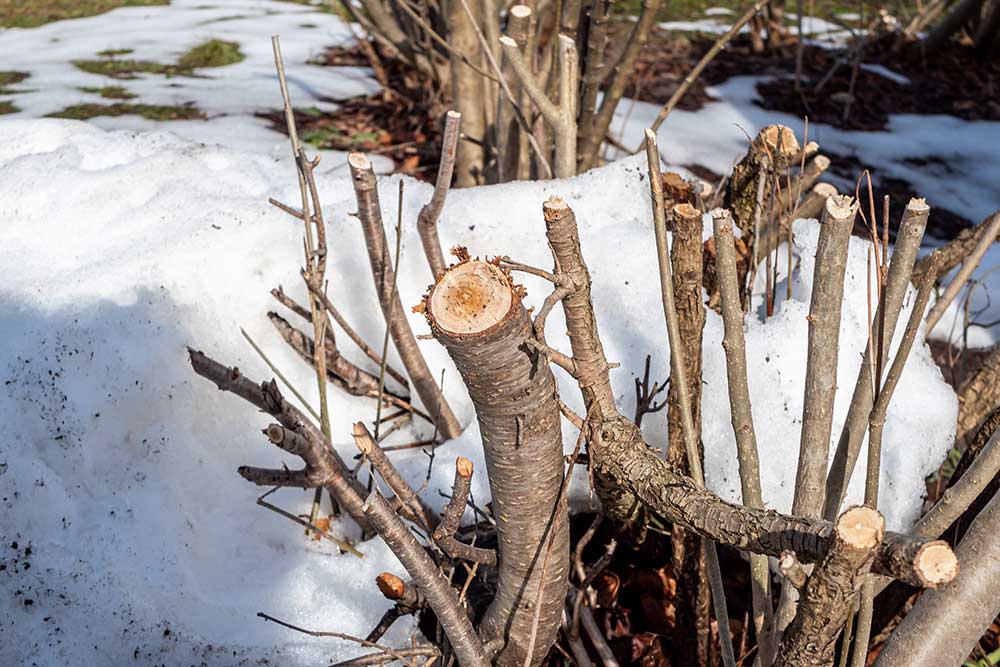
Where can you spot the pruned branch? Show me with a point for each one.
(294, 433)
(444, 534)
(370, 215)
(827, 596)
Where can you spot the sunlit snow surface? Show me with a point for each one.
(118, 464)
(228, 95)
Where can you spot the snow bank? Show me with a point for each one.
(117, 464)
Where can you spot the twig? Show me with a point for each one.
(334, 635)
(349, 330)
(279, 375)
(741, 412)
(645, 396)
(693, 75)
(561, 118)
(296, 435)
(962, 277)
(440, 596)
(313, 528)
(680, 385)
(444, 534)
(393, 295)
(370, 215)
(385, 656)
(428, 217)
(908, 239)
(872, 476)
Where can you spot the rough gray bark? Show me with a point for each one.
(826, 599)
(692, 629)
(370, 216)
(908, 239)
(475, 311)
(944, 625)
(821, 359)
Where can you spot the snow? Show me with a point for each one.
(117, 463)
(229, 95)
(949, 161)
(886, 73)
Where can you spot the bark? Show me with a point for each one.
(761, 157)
(595, 70)
(908, 239)
(436, 589)
(826, 600)
(475, 311)
(633, 483)
(944, 626)
(293, 433)
(955, 251)
(692, 630)
(621, 73)
(370, 215)
(428, 217)
(741, 411)
(821, 360)
(969, 265)
(341, 371)
(508, 132)
(468, 94)
(444, 534)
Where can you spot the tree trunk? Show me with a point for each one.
(475, 311)
(468, 95)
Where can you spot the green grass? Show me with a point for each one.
(7, 107)
(33, 13)
(111, 53)
(110, 92)
(213, 53)
(126, 69)
(149, 111)
(11, 79)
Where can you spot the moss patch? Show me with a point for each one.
(213, 53)
(7, 107)
(110, 92)
(149, 111)
(32, 13)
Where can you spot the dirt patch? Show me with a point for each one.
(949, 81)
(400, 123)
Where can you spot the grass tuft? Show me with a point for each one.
(110, 92)
(125, 69)
(149, 111)
(111, 53)
(7, 107)
(213, 53)
(33, 13)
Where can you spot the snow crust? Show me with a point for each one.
(117, 463)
